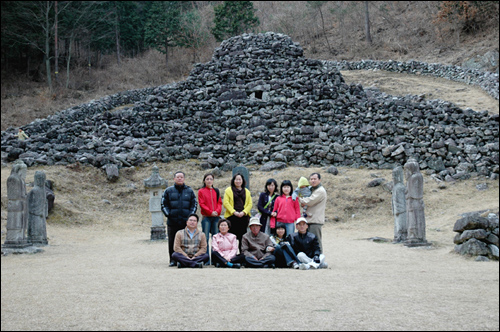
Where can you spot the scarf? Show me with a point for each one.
(239, 198)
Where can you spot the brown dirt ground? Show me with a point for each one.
(101, 272)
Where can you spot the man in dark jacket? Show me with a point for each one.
(306, 246)
(177, 203)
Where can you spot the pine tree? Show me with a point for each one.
(233, 18)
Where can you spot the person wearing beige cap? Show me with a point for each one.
(257, 246)
(306, 246)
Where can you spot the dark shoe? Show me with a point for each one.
(273, 266)
(199, 265)
(236, 265)
(179, 265)
(172, 264)
(217, 265)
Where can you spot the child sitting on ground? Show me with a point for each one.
(303, 190)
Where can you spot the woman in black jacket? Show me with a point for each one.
(266, 204)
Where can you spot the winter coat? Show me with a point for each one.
(228, 202)
(225, 245)
(316, 205)
(177, 203)
(306, 243)
(288, 210)
(207, 198)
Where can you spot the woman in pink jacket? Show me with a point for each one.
(287, 209)
(225, 247)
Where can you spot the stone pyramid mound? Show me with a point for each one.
(260, 100)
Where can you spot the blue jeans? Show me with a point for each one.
(209, 225)
(285, 255)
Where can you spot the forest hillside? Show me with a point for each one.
(329, 30)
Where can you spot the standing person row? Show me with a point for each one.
(177, 203)
(238, 203)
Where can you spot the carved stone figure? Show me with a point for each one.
(415, 203)
(399, 205)
(38, 211)
(156, 184)
(16, 209)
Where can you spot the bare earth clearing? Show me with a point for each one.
(101, 272)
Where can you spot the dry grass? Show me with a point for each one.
(100, 272)
(24, 101)
(85, 197)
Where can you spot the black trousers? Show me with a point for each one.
(171, 231)
(217, 258)
(239, 227)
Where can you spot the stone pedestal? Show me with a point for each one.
(155, 184)
(417, 243)
(158, 233)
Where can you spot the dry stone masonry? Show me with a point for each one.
(477, 235)
(260, 101)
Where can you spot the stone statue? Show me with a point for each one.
(155, 185)
(415, 203)
(38, 211)
(399, 205)
(17, 209)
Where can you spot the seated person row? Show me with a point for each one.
(259, 250)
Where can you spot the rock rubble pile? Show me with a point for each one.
(477, 236)
(259, 100)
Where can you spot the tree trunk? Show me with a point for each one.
(47, 47)
(324, 31)
(367, 24)
(68, 62)
(56, 62)
(117, 35)
(166, 52)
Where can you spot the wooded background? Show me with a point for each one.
(70, 51)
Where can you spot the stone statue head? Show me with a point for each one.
(40, 179)
(411, 167)
(397, 175)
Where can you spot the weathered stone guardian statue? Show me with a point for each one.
(399, 205)
(37, 211)
(16, 209)
(155, 184)
(415, 204)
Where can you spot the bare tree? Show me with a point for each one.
(367, 24)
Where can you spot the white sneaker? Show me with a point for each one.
(313, 265)
(295, 266)
(323, 265)
(303, 266)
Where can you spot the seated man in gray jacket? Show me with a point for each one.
(257, 246)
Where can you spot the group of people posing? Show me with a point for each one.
(266, 240)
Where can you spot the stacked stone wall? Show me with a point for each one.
(477, 235)
(260, 100)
